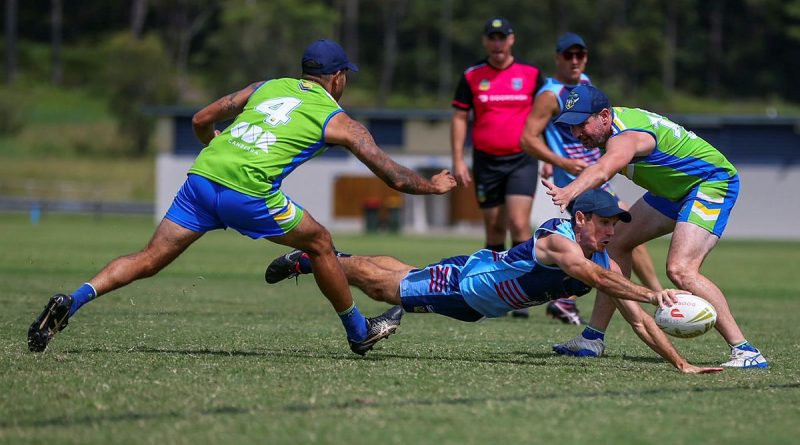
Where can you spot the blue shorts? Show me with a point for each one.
(435, 289)
(708, 205)
(202, 205)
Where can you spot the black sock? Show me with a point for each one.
(496, 247)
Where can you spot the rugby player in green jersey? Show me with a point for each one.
(691, 190)
(235, 182)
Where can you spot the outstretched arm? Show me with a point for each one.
(569, 257)
(224, 108)
(645, 327)
(619, 152)
(342, 130)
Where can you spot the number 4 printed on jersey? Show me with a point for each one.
(278, 109)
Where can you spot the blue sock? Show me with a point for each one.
(81, 296)
(354, 323)
(745, 346)
(591, 333)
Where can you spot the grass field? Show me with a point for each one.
(207, 353)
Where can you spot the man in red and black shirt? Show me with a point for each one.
(500, 91)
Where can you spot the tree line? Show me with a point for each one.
(411, 52)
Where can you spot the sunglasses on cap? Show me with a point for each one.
(569, 55)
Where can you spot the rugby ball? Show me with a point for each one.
(689, 317)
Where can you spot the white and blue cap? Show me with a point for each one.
(582, 102)
(599, 202)
(326, 57)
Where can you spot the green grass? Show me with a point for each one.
(206, 352)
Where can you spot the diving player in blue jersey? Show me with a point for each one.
(564, 156)
(564, 257)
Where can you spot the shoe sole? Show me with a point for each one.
(35, 334)
(761, 365)
(370, 342)
(569, 352)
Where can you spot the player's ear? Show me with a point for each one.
(580, 218)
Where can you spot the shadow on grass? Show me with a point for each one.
(525, 358)
(363, 403)
(511, 358)
(367, 403)
(67, 421)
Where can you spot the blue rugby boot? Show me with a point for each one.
(581, 347)
(378, 328)
(53, 319)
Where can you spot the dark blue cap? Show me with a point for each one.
(569, 40)
(325, 57)
(599, 202)
(582, 102)
(498, 24)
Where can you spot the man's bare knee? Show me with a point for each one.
(319, 243)
(680, 274)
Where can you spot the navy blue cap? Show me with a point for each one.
(568, 40)
(582, 102)
(498, 24)
(599, 202)
(325, 57)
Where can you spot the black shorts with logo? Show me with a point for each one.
(498, 176)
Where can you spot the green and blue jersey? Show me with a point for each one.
(681, 160)
(281, 127)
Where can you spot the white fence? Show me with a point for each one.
(768, 205)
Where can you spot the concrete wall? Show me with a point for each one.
(768, 206)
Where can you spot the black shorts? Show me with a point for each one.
(499, 176)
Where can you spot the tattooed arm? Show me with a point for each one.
(224, 108)
(342, 130)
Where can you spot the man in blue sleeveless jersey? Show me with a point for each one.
(564, 257)
(564, 156)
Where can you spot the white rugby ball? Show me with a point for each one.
(689, 317)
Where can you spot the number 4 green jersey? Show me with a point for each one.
(680, 161)
(281, 127)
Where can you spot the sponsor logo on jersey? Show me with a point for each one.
(516, 83)
(252, 135)
(484, 85)
(503, 98)
(305, 85)
(572, 99)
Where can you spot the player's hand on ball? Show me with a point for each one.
(666, 297)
